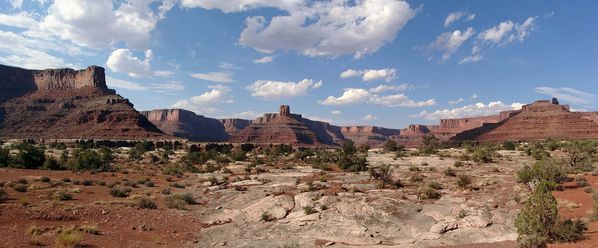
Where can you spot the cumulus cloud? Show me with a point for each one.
(569, 95)
(369, 117)
(455, 16)
(277, 90)
(478, 109)
(318, 28)
(33, 53)
(97, 24)
(455, 102)
(387, 74)
(336, 112)
(449, 42)
(263, 60)
(206, 102)
(123, 61)
(500, 35)
(219, 77)
(20, 20)
(356, 96)
(249, 115)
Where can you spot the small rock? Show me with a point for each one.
(104, 212)
(218, 208)
(331, 243)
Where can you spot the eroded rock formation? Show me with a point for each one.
(186, 124)
(234, 125)
(66, 103)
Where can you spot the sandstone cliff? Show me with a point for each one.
(539, 120)
(370, 135)
(186, 124)
(66, 103)
(234, 125)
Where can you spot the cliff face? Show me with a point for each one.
(186, 124)
(65, 103)
(234, 125)
(536, 121)
(369, 135)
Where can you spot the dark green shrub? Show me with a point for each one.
(44, 179)
(89, 159)
(309, 210)
(435, 185)
(569, 230)
(4, 157)
(29, 157)
(390, 146)
(363, 148)
(239, 155)
(538, 216)
(579, 155)
(509, 145)
(267, 217)
(52, 164)
(382, 175)
(483, 154)
(3, 195)
(19, 187)
(450, 172)
(61, 195)
(431, 144)
(179, 201)
(546, 169)
(429, 193)
(537, 151)
(459, 164)
(87, 182)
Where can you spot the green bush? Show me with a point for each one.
(309, 210)
(383, 175)
(463, 181)
(429, 193)
(352, 162)
(29, 156)
(20, 187)
(450, 172)
(569, 230)
(390, 146)
(52, 164)
(179, 201)
(546, 169)
(537, 151)
(120, 192)
(4, 157)
(89, 159)
(579, 155)
(239, 155)
(538, 216)
(431, 144)
(267, 217)
(61, 195)
(509, 146)
(483, 154)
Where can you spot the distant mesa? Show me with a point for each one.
(67, 104)
(77, 104)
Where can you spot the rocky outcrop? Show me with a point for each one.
(188, 125)
(65, 104)
(370, 135)
(234, 125)
(540, 120)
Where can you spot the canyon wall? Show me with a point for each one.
(186, 124)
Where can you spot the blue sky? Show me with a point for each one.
(370, 62)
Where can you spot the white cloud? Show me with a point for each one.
(500, 35)
(31, 53)
(349, 96)
(206, 102)
(369, 117)
(388, 74)
(156, 87)
(229, 66)
(400, 100)
(336, 112)
(319, 28)
(478, 109)
(386, 87)
(97, 24)
(123, 61)
(449, 42)
(249, 115)
(455, 102)
(264, 60)
(277, 90)
(356, 96)
(16, 4)
(219, 77)
(569, 95)
(20, 20)
(474, 96)
(455, 16)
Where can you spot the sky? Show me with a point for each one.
(369, 62)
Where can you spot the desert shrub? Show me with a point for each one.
(150, 184)
(538, 221)
(458, 164)
(267, 217)
(52, 164)
(546, 169)
(89, 159)
(435, 185)
(120, 192)
(29, 157)
(463, 181)
(538, 216)
(537, 151)
(569, 230)
(429, 193)
(552, 145)
(390, 146)
(101, 183)
(3, 195)
(450, 172)
(68, 239)
(58, 145)
(382, 175)
(431, 144)
(87, 182)
(483, 154)
(579, 155)
(508, 145)
(349, 160)
(363, 148)
(20, 187)
(594, 214)
(4, 157)
(166, 191)
(309, 210)
(146, 203)
(179, 201)
(44, 179)
(177, 185)
(239, 155)
(61, 195)
(135, 155)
